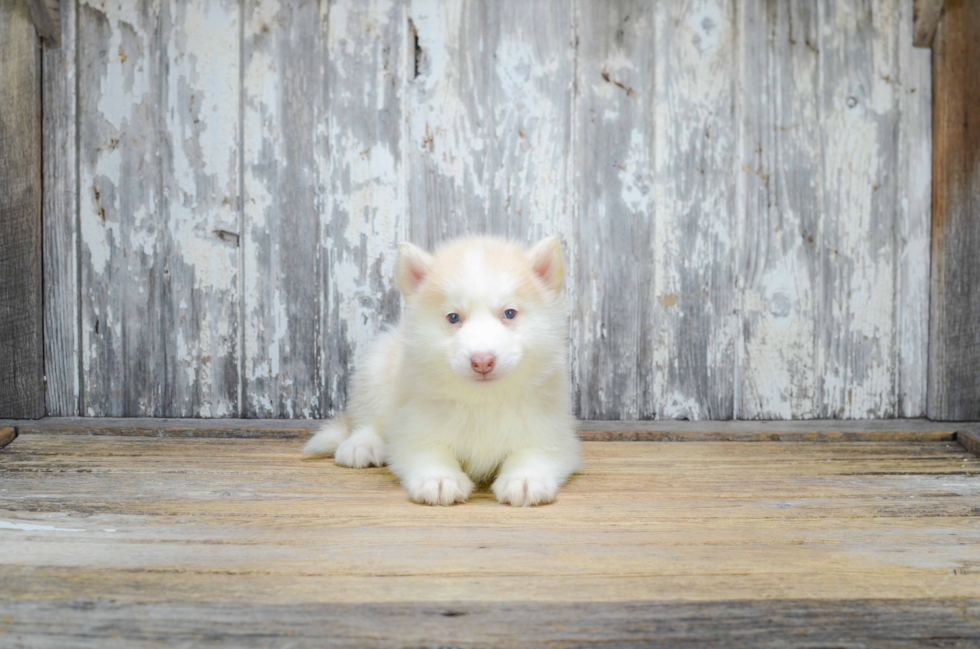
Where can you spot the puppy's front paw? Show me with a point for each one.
(524, 489)
(359, 452)
(440, 488)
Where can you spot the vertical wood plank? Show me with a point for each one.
(157, 208)
(489, 119)
(914, 168)
(613, 325)
(856, 244)
(782, 175)
(283, 67)
(694, 287)
(362, 199)
(954, 365)
(201, 186)
(60, 235)
(21, 314)
(118, 170)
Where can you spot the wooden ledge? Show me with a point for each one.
(970, 440)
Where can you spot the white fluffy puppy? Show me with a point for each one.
(473, 384)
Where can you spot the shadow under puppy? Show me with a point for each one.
(472, 385)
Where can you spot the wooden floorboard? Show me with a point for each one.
(111, 540)
(882, 623)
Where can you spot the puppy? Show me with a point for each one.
(472, 385)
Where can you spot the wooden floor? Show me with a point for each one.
(116, 540)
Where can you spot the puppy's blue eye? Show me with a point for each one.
(453, 318)
(510, 314)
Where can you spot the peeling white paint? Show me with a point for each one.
(744, 214)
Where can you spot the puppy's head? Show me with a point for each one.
(483, 311)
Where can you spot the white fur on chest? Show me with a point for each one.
(480, 435)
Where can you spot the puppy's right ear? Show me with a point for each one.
(413, 266)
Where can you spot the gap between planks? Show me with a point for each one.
(892, 430)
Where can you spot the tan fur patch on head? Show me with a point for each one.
(496, 256)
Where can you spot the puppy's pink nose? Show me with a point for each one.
(482, 363)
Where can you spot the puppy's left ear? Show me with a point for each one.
(413, 266)
(545, 258)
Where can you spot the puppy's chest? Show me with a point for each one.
(482, 437)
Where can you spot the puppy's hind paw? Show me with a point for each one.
(440, 488)
(525, 489)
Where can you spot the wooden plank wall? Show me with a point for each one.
(741, 188)
(954, 377)
(21, 356)
(60, 212)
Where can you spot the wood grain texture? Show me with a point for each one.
(46, 15)
(654, 150)
(157, 208)
(741, 189)
(164, 538)
(614, 333)
(21, 311)
(362, 204)
(60, 221)
(779, 182)
(696, 82)
(927, 15)
(835, 252)
(970, 440)
(282, 112)
(489, 106)
(914, 172)
(954, 379)
(856, 246)
(749, 624)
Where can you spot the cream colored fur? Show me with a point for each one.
(419, 407)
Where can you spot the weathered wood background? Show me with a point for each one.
(742, 189)
(21, 356)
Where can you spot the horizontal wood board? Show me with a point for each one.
(748, 624)
(113, 538)
(902, 430)
(742, 190)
